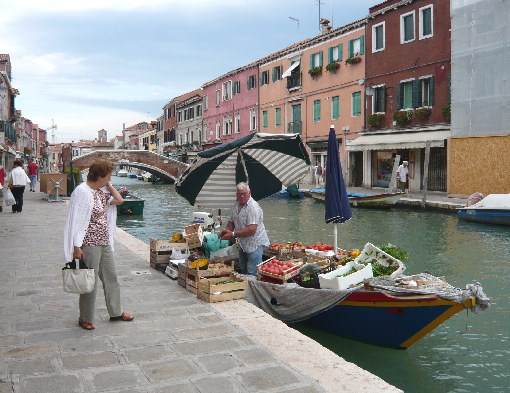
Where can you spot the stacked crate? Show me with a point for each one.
(160, 251)
(194, 236)
(193, 276)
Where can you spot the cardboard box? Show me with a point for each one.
(331, 281)
(216, 289)
(373, 254)
(166, 245)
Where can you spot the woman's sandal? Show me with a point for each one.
(85, 325)
(123, 317)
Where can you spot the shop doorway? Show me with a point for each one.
(357, 169)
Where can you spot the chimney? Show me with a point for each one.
(325, 28)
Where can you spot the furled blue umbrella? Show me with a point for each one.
(338, 209)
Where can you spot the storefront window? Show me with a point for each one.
(383, 166)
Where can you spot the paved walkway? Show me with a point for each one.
(175, 344)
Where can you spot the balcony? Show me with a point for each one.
(294, 81)
(9, 130)
(294, 127)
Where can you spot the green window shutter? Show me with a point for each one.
(278, 117)
(335, 110)
(248, 83)
(431, 91)
(351, 49)
(311, 61)
(416, 93)
(383, 98)
(261, 78)
(264, 119)
(320, 59)
(400, 95)
(340, 50)
(449, 88)
(316, 110)
(330, 55)
(361, 44)
(274, 74)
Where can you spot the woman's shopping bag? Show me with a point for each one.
(9, 198)
(78, 280)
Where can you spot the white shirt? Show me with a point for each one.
(251, 213)
(402, 172)
(19, 177)
(78, 219)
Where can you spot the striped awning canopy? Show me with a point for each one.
(265, 161)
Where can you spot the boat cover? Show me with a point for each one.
(493, 201)
(292, 303)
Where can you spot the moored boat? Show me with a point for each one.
(362, 200)
(493, 209)
(132, 205)
(122, 173)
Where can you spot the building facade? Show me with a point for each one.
(188, 131)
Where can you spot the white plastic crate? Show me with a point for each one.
(372, 254)
(331, 281)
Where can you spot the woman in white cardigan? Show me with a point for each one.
(88, 235)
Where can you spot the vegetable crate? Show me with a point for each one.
(342, 278)
(194, 236)
(287, 272)
(166, 245)
(215, 270)
(220, 289)
(182, 274)
(372, 254)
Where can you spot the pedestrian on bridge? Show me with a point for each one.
(88, 236)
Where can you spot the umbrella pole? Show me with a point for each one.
(336, 238)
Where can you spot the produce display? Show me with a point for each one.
(278, 269)
(202, 264)
(320, 247)
(289, 246)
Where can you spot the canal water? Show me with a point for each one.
(468, 353)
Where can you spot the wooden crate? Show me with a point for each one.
(163, 256)
(166, 245)
(194, 236)
(181, 282)
(287, 274)
(159, 266)
(212, 290)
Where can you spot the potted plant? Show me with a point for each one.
(403, 117)
(422, 113)
(446, 112)
(315, 71)
(332, 67)
(375, 120)
(352, 60)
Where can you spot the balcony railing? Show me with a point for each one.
(294, 127)
(294, 81)
(8, 129)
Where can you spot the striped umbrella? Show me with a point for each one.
(265, 161)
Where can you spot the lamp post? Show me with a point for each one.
(297, 20)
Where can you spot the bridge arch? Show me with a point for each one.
(167, 169)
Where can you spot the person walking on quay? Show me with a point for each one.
(88, 236)
(402, 172)
(17, 181)
(319, 173)
(32, 174)
(247, 224)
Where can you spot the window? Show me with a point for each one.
(251, 82)
(317, 110)
(278, 117)
(218, 97)
(205, 132)
(179, 117)
(237, 123)
(253, 119)
(227, 90)
(187, 136)
(335, 53)
(335, 107)
(378, 37)
(180, 139)
(407, 27)
(427, 91)
(264, 119)
(206, 102)
(356, 104)
(426, 22)
(277, 73)
(192, 139)
(199, 110)
(379, 99)
(191, 113)
(316, 60)
(405, 94)
(264, 78)
(218, 127)
(356, 46)
(236, 88)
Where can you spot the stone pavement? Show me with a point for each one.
(175, 344)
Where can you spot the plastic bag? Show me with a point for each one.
(9, 198)
(178, 254)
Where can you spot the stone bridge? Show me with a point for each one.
(160, 166)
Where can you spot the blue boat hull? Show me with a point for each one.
(487, 216)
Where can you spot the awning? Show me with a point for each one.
(289, 70)
(409, 140)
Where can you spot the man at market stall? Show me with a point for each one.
(247, 225)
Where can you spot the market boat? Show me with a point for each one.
(493, 209)
(122, 173)
(132, 205)
(362, 200)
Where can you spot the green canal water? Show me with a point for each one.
(468, 353)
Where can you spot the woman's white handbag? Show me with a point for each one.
(78, 280)
(9, 198)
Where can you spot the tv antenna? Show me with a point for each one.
(319, 3)
(53, 128)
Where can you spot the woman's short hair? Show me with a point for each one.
(101, 168)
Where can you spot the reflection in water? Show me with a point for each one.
(468, 353)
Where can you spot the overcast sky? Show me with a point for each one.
(98, 64)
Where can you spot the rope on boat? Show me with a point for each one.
(440, 288)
